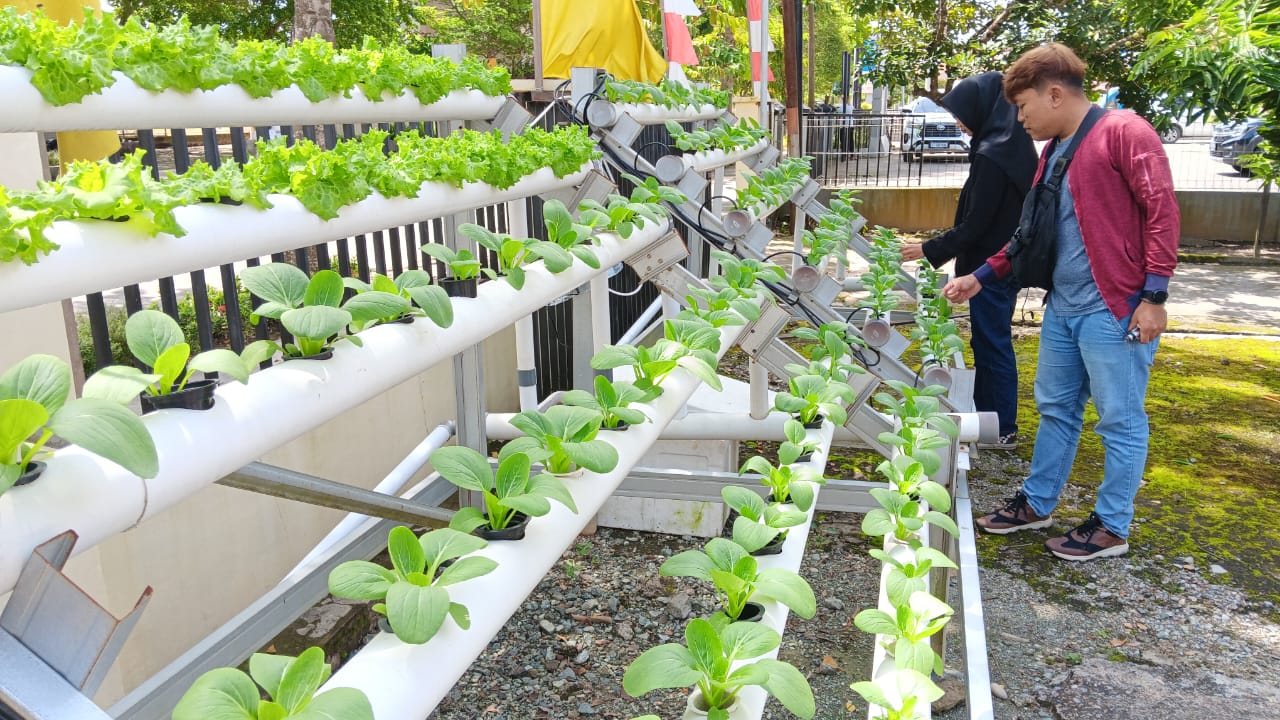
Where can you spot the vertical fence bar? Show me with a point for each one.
(97, 311)
(231, 299)
(200, 296)
(209, 137)
(379, 253)
(147, 141)
(397, 260)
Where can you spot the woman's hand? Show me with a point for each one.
(912, 251)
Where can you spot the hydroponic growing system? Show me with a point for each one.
(56, 644)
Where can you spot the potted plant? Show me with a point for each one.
(760, 528)
(511, 495)
(909, 576)
(464, 269)
(737, 579)
(901, 512)
(291, 683)
(512, 253)
(797, 442)
(651, 364)
(34, 408)
(611, 400)
(813, 397)
(899, 695)
(566, 436)
(412, 595)
(413, 286)
(569, 235)
(311, 309)
(908, 631)
(714, 663)
(719, 308)
(156, 341)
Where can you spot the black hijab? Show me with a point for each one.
(979, 103)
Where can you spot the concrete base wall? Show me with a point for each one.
(1226, 215)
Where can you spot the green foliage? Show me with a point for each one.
(809, 396)
(290, 683)
(666, 93)
(34, 408)
(411, 286)
(884, 273)
(772, 186)
(726, 136)
(737, 579)
(908, 630)
(499, 29)
(564, 439)
(788, 482)
(309, 308)
(507, 491)
(898, 694)
(69, 62)
(612, 401)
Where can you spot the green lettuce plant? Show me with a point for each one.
(910, 576)
(899, 695)
(812, 395)
(719, 661)
(788, 482)
(413, 594)
(567, 435)
(908, 631)
(758, 524)
(572, 236)
(737, 578)
(463, 264)
(156, 340)
(651, 364)
(507, 490)
(415, 286)
(512, 253)
(902, 510)
(611, 400)
(34, 408)
(291, 683)
(312, 309)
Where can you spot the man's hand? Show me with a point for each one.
(912, 251)
(962, 288)
(1151, 321)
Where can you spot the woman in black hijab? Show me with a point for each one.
(1002, 163)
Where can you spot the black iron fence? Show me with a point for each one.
(891, 150)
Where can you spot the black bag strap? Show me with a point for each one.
(1054, 180)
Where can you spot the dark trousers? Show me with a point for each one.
(995, 387)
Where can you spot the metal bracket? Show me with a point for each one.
(763, 330)
(596, 186)
(826, 292)
(692, 185)
(280, 482)
(61, 625)
(658, 256)
(511, 119)
(676, 282)
(625, 129)
(757, 239)
(764, 159)
(806, 194)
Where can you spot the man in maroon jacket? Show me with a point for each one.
(1117, 238)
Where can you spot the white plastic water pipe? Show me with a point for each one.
(707, 160)
(392, 484)
(96, 255)
(406, 682)
(98, 498)
(526, 363)
(601, 330)
(761, 403)
(641, 325)
(656, 114)
(125, 105)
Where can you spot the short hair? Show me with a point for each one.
(1049, 63)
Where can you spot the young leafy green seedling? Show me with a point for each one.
(759, 524)
(566, 437)
(311, 309)
(714, 662)
(291, 683)
(33, 402)
(797, 442)
(737, 579)
(412, 593)
(788, 482)
(814, 395)
(462, 264)
(901, 512)
(572, 236)
(513, 253)
(908, 630)
(909, 576)
(651, 364)
(411, 285)
(620, 215)
(611, 400)
(156, 340)
(507, 491)
(899, 693)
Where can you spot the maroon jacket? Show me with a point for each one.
(1129, 219)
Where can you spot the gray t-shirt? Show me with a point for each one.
(1074, 290)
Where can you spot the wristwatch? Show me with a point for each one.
(1155, 297)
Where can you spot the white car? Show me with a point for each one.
(928, 129)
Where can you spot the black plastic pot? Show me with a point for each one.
(385, 625)
(319, 356)
(513, 531)
(728, 523)
(195, 396)
(621, 427)
(773, 548)
(751, 612)
(817, 423)
(223, 201)
(806, 457)
(402, 320)
(460, 288)
(30, 473)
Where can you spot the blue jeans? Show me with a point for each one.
(995, 384)
(1081, 357)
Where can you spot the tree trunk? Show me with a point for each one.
(313, 17)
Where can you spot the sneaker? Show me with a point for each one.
(1088, 541)
(1014, 516)
(1008, 441)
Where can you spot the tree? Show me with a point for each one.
(352, 20)
(1224, 60)
(499, 29)
(313, 17)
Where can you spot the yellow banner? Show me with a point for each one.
(598, 33)
(94, 145)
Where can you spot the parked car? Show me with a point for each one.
(1232, 142)
(928, 129)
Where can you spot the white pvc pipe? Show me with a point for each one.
(125, 105)
(392, 484)
(639, 327)
(98, 498)
(708, 160)
(646, 114)
(601, 330)
(526, 362)
(406, 682)
(96, 255)
(759, 376)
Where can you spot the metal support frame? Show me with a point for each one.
(55, 639)
(241, 636)
(977, 668)
(291, 485)
(705, 485)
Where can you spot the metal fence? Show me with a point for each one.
(889, 150)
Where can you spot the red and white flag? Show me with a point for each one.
(754, 23)
(680, 50)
